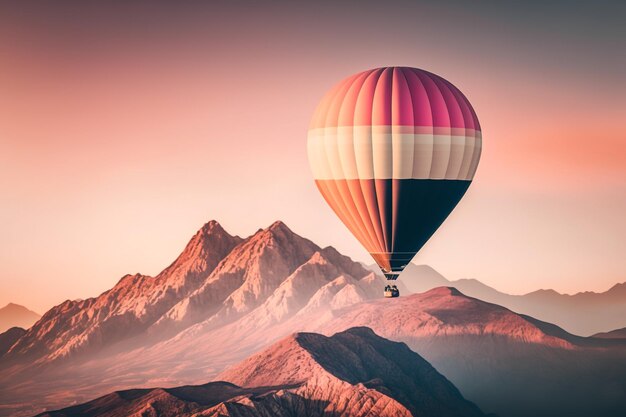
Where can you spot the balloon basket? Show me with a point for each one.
(391, 291)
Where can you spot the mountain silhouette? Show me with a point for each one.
(15, 315)
(584, 313)
(613, 334)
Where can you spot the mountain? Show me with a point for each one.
(167, 402)
(242, 282)
(15, 315)
(130, 307)
(8, 338)
(219, 284)
(322, 365)
(225, 298)
(352, 373)
(584, 313)
(507, 363)
(613, 334)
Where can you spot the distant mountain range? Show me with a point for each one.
(225, 298)
(584, 313)
(15, 315)
(613, 334)
(351, 374)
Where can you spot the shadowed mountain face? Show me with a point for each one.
(226, 298)
(585, 313)
(15, 315)
(353, 373)
(8, 338)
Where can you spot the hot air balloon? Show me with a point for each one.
(392, 151)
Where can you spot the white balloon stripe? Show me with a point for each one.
(384, 152)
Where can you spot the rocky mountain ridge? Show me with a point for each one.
(212, 308)
(217, 280)
(350, 374)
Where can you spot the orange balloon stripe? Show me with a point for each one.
(353, 209)
(371, 202)
(357, 193)
(330, 193)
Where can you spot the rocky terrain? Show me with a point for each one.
(148, 329)
(350, 374)
(226, 298)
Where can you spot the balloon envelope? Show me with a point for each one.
(392, 151)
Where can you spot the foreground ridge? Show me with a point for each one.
(350, 374)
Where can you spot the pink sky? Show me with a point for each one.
(120, 137)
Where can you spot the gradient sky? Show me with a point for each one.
(124, 127)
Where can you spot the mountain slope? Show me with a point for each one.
(15, 315)
(524, 366)
(584, 313)
(131, 306)
(181, 401)
(304, 295)
(351, 374)
(444, 311)
(214, 306)
(251, 272)
(218, 286)
(356, 356)
(8, 338)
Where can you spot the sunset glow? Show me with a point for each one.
(124, 128)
